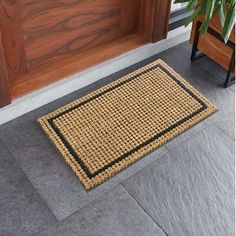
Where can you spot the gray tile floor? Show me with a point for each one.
(184, 188)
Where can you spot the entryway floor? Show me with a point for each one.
(186, 187)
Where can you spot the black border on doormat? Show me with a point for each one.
(155, 137)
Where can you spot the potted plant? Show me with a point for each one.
(213, 31)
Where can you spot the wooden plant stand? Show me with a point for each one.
(214, 47)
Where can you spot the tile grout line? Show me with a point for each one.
(197, 133)
(110, 189)
(45, 202)
(86, 205)
(165, 233)
(212, 123)
(187, 139)
(89, 202)
(201, 129)
(120, 183)
(25, 175)
(221, 129)
(231, 88)
(210, 72)
(219, 85)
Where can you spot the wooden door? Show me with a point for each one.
(39, 34)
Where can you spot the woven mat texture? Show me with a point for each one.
(107, 130)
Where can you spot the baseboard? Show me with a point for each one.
(59, 89)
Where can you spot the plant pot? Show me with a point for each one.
(211, 46)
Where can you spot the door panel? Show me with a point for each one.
(55, 29)
(12, 38)
(44, 41)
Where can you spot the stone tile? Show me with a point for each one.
(232, 87)
(185, 136)
(6, 159)
(207, 79)
(190, 191)
(205, 75)
(115, 214)
(22, 210)
(210, 84)
(227, 124)
(207, 82)
(47, 170)
(218, 72)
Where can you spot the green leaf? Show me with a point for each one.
(222, 13)
(209, 12)
(195, 13)
(229, 22)
(180, 1)
(191, 4)
(208, 8)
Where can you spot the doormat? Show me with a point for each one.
(105, 131)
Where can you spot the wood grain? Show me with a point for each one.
(146, 15)
(4, 88)
(154, 18)
(12, 37)
(212, 47)
(55, 29)
(161, 20)
(55, 71)
(45, 41)
(129, 16)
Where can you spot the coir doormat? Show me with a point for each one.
(107, 130)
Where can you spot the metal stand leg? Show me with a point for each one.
(195, 42)
(229, 78)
